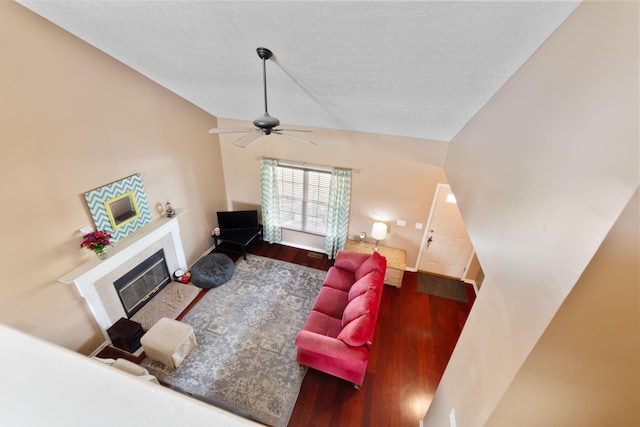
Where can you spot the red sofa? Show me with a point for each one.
(338, 334)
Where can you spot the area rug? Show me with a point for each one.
(442, 287)
(245, 329)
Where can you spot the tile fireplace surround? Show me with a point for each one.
(94, 279)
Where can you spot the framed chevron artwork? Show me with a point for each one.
(120, 207)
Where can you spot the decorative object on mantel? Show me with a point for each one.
(119, 208)
(97, 241)
(363, 236)
(170, 211)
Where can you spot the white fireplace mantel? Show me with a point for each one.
(86, 275)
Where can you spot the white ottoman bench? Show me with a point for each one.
(168, 341)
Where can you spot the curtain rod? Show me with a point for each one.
(305, 165)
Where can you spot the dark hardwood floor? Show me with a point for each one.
(414, 338)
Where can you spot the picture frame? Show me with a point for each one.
(120, 207)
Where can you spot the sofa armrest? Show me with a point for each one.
(330, 347)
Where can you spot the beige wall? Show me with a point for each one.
(387, 172)
(585, 370)
(73, 119)
(541, 175)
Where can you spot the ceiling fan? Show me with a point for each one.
(265, 124)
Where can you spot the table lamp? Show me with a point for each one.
(378, 232)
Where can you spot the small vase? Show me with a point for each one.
(101, 253)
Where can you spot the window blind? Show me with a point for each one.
(304, 198)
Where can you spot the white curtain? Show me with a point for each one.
(272, 232)
(338, 211)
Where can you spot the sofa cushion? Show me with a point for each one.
(358, 332)
(374, 262)
(339, 279)
(350, 261)
(362, 304)
(322, 324)
(362, 285)
(331, 302)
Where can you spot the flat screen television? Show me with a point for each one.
(237, 219)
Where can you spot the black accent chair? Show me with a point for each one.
(238, 231)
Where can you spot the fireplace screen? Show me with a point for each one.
(143, 282)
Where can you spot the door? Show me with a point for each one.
(446, 249)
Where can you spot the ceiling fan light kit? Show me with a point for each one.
(264, 124)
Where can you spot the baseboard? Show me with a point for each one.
(99, 349)
(306, 248)
(207, 252)
(472, 283)
(293, 245)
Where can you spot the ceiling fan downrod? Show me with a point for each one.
(264, 54)
(265, 122)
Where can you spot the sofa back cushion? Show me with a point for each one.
(362, 304)
(366, 282)
(359, 331)
(349, 261)
(374, 262)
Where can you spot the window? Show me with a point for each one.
(304, 197)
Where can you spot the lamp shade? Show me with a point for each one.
(379, 230)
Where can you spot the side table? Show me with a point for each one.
(125, 334)
(396, 260)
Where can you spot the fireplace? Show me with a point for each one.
(95, 279)
(142, 283)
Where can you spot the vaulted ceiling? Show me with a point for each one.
(417, 69)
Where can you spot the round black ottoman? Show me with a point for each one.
(212, 271)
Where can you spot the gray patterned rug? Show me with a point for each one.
(246, 356)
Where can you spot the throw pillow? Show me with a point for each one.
(375, 262)
(350, 261)
(363, 304)
(358, 332)
(361, 286)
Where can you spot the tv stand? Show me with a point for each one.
(237, 240)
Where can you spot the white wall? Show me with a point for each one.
(46, 385)
(541, 174)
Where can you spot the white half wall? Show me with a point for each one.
(585, 369)
(55, 386)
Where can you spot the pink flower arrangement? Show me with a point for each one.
(96, 241)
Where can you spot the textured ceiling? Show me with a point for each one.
(418, 69)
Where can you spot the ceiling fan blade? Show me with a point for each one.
(248, 139)
(230, 130)
(292, 130)
(278, 132)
